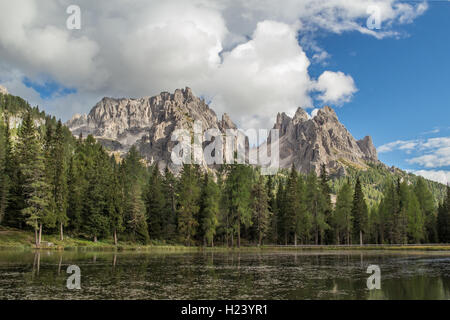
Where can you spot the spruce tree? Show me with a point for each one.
(443, 219)
(188, 204)
(343, 220)
(155, 205)
(359, 213)
(209, 209)
(260, 208)
(426, 201)
(36, 191)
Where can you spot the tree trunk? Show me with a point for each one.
(239, 236)
(317, 237)
(295, 239)
(260, 238)
(95, 238)
(61, 232)
(36, 237)
(115, 237)
(360, 238)
(40, 233)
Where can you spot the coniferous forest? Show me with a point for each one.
(54, 183)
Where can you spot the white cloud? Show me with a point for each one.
(399, 144)
(244, 55)
(435, 175)
(435, 152)
(336, 87)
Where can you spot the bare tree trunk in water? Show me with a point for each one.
(295, 239)
(115, 237)
(360, 238)
(59, 264)
(95, 238)
(40, 233)
(61, 230)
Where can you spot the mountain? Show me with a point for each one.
(307, 143)
(149, 123)
(3, 90)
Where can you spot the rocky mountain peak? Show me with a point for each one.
(310, 142)
(3, 90)
(149, 123)
(300, 115)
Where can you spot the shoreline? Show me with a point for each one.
(17, 239)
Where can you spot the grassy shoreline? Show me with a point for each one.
(17, 239)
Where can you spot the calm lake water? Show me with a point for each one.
(214, 275)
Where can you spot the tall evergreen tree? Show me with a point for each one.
(443, 219)
(36, 191)
(155, 205)
(359, 213)
(188, 204)
(316, 207)
(325, 203)
(426, 201)
(343, 220)
(239, 182)
(260, 208)
(209, 209)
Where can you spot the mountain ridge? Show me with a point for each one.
(148, 123)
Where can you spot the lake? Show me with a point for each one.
(225, 275)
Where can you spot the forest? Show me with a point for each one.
(54, 183)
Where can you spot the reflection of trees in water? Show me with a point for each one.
(218, 275)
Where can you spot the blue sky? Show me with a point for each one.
(249, 61)
(403, 83)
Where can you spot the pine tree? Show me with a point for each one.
(60, 179)
(260, 208)
(316, 207)
(343, 219)
(443, 219)
(280, 212)
(359, 213)
(239, 190)
(155, 205)
(273, 230)
(209, 209)
(115, 202)
(304, 221)
(36, 191)
(416, 219)
(325, 204)
(188, 204)
(170, 196)
(426, 201)
(4, 179)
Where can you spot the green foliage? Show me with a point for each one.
(53, 182)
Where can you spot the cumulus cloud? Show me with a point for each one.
(335, 87)
(243, 55)
(435, 175)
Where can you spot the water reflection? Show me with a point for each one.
(234, 275)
